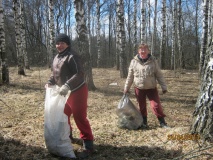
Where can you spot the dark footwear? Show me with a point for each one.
(144, 120)
(144, 125)
(85, 153)
(163, 125)
(88, 149)
(162, 122)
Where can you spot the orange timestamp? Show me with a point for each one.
(183, 137)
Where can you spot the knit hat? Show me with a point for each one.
(62, 38)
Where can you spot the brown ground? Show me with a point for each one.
(22, 119)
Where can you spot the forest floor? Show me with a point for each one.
(22, 119)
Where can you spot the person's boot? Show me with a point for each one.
(162, 122)
(145, 125)
(88, 149)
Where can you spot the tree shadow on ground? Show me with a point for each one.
(106, 152)
(11, 149)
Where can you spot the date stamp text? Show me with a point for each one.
(183, 137)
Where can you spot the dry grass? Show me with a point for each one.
(22, 119)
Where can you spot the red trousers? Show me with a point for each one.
(76, 105)
(152, 95)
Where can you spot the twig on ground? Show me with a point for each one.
(194, 151)
(5, 103)
(201, 154)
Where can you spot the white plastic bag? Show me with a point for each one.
(56, 127)
(129, 116)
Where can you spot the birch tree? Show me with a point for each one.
(129, 29)
(163, 35)
(121, 40)
(111, 57)
(149, 23)
(210, 20)
(173, 64)
(99, 60)
(179, 32)
(143, 21)
(196, 33)
(83, 44)
(18, 38)
(51, 32)
(202, 123)
(204, 36)
(89, 31)
(153, 48)
(4, 72)
(117, 38)
(23, 36)
(135, 28)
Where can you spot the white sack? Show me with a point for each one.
(56, 127)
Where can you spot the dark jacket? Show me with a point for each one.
(67, 69)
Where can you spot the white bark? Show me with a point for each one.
(122, 40)
(51, 31)
(163, 35)
(143, 21)
(83, 43)
(18, 38)
(99, 60)
(204, 36)
(135, 27)
(23, 35)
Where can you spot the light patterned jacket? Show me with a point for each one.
(144, 75)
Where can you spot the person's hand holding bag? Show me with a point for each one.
(64, 90)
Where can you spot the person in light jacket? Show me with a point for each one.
(68, 74)
(144, 73)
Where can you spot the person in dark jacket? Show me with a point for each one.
(68, 74)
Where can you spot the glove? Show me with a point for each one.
(164, 91)
(64, 90)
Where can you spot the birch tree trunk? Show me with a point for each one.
(69, 32)
(179, 32)
(122, 41)
(153, 48)
(135, 28)
(23, 36)
(143, 21)
(51, 48)
(18, 38)
(4, 72)
(173, 64)
(65, 7)
(204, 37)
(197, 34)
(118, 45)
(149, 23)
(99, 60)
(111, 58)
(89, 32)
(83, 44)
(202, 123)
(210, 19)
(129, 30)
(163, 35)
